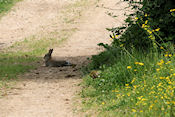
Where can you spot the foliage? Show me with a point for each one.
(138, 75)
(157, 15)
(5, 5)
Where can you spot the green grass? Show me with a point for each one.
(6, 5)
(128, 88)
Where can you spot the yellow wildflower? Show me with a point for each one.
(126, 84)
(143, 25)
(161, 47)
(146, 15)
(136, 18)
(121, 45)
(149, 31)
(141, 111)
(168, 62)
(171, 10)
(135, 86)
(129, 67)
(157, 69)
(170, 55)
(157, 29)
(128, 94)
(133, 80)
(173, 102)
(135, 70)
(141, 64)
(103, 103)
(159, 84)
(146, 22)
(162, 77)
(133, 110)
(136, 63)
(151, 106)
(166, 55)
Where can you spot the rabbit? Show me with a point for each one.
(53, 63)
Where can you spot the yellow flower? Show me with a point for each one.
(157, 69)
(146, 22)
(161, 47)
(141, 64)
(103, 103)
(146, 15)
(160, 63)
(136, 18)
(162, 77)
(133, 110)
(159, 84)
(157, 29)
(149, 31)
(135, 86)
(128, 94)
(126, 84)
(143, 25)
(168, 62)
(116, 36)
(121, 45)
(141, 111)
(135, 70)
(172, 10)
(173, 102)
(170, 55)
(166, 55)
(129, 67)
(151, 106)
(133, 81)
(136, 63)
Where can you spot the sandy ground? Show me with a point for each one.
(50, 92)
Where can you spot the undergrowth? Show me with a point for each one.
(137, 74)
(6, 5)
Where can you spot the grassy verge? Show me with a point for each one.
(6, 5)
(141, 86)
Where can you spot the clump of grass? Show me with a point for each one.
(143, 86)
(6, 5)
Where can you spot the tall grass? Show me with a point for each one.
(139, 86)
(6, 5)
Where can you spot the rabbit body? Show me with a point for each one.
(49, 62)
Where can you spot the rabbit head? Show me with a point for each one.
(48, 56)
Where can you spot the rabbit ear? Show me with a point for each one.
(50, 51)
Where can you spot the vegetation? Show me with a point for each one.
(6, 5)
(137, 70)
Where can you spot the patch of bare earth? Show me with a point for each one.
(50, 92)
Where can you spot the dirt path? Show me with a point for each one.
(50, 92)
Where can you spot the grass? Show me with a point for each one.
(6, 5)
(142, 86)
